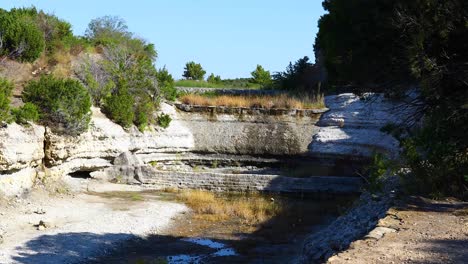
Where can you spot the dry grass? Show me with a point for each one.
(263, 101)
(251, 209)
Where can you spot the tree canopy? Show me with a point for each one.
(387, 45)
(193, 71)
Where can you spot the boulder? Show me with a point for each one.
(127, 159)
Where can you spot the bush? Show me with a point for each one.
(64, 104)
(5, 93)
(294, 77)
(28, 112)
(22, 39)
(119, 107)
(143, 115)
(261, 76)
(214, 79)
(166, 84)
(164, 120)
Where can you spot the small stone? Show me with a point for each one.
(40, 211)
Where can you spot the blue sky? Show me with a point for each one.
(228, 37)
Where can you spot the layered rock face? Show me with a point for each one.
(105, 140)
(351, 129)
(21, 151)
(252, 132)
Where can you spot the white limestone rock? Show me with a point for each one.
(17, 182)
(351, 128)
(106, 140)
(21, 147)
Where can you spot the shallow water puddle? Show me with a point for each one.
(222, 251)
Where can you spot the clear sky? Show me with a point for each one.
(228, 37)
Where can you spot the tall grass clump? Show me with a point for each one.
(251, 209)
(262, 101)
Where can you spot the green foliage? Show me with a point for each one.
(20, 36)
(166, 84)
(376, 170)
(143, 115)
(107, 30)
(398, 42)
(261, 76)
(438, 158)
(214, 79)
(293, 78)
(119, 105)
(164, 120)
(193, 71)
(359, 42)
(26, 113)
(64, 104)
(6, 88)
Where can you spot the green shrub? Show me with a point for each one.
(375, 171)
(28, 112)
(164, 120)
(143, 114)
(22, 39)
(166, 84)
(64, 104)
(5, 93)
(214, 79)
(119, 107)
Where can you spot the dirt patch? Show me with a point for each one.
(426, 232)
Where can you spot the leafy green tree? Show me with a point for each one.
(64, 104)
(214, 79)
(107, 30)
(261, 76)
(193, 71)
(359, 40)
(386, 45)
(20, 37)
(5, 93)
(293, 77)
(166, 84)
(119, 105)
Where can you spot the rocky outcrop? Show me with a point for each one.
(351, 129)
(354, 224)
(244, 131)
(21, 146)
(21, 151)
(105, 140)
(221, 182)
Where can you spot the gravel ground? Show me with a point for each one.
(77, 228)
(425, 232)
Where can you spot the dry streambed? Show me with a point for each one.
(121, 226)
(69, 229)
(233, 228)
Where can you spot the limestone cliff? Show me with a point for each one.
(351, 129)
(21, 150)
